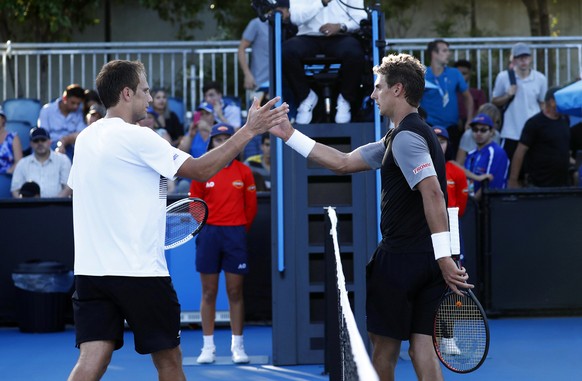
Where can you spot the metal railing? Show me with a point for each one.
(42, 71)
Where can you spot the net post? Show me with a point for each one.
(332, 353)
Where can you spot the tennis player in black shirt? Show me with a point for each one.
(412, 265)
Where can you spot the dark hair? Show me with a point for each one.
(433, 46)
(74, 90)
(29, 189)
(407, 70)
(463, 63)
(550, 93)
(114, 77)
(90, 96)
(265, 136)
(212, 85)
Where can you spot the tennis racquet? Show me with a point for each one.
(184, 219)
(461, 330)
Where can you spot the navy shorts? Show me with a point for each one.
(102, 304)
(402, 293)
(222, 248)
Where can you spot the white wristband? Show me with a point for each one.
(301, 143)
(441, 243)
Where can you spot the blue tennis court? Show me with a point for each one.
(522, 349)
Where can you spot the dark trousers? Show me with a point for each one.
(345, 47)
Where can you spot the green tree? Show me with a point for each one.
(44, 20)
(58, 20)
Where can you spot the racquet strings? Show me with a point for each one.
(460, 319)
(184, 219)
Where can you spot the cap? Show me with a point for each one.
(520, 49)
(206, 107)
(97, 109)
(221, 129)
(39, 133)
(150, 110)
(30, 189)
(482, 119)
(441, 131)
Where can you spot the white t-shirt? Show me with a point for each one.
(119, 179)
(530, 92)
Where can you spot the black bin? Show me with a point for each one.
(43, 294)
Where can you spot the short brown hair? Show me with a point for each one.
(114, 77)
(407, 70)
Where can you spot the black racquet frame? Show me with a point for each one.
(452, 308)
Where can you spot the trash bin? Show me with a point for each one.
(42, 291)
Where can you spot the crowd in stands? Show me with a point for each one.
(516, 139)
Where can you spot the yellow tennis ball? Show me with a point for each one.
(458, 304)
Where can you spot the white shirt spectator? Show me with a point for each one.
(51, 175)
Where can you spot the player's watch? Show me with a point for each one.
(343, 28)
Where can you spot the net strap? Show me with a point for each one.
(366, 371)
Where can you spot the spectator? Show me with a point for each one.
(29, 189)
(151, 121)
(256, 76)
(48, 168)
(478, 95)
(64, 119)
(440, 95)
(467, 143)
(196, 141)
(256, 36)
(91, 97)
(544, 147)
(96, 112)
(261, 164)
(488, 161)
(222, 244)
(225, 109)
(523, 100)
(324, 27)
(167, 119)
(10, 147)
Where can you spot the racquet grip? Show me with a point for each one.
(454, 229)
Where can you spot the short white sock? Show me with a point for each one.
(237, 340)
(208, 341)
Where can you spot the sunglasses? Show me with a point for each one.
(481, 130)
(40, 140)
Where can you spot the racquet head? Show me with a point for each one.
(184, 219)
(461, 332)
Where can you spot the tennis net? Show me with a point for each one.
(355, 362)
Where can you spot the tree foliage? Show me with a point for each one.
(59, 20)
(45, 20)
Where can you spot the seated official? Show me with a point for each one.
(323, 28)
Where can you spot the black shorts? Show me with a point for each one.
(402, 293)
(102, 304)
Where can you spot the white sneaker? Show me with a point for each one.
(207, 355)
(305, 109)
(449, 347)
(238, 355)
(342, 114)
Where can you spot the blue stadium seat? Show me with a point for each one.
(5, 181)
(22, 128)
(22, 109)
(177, 105)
